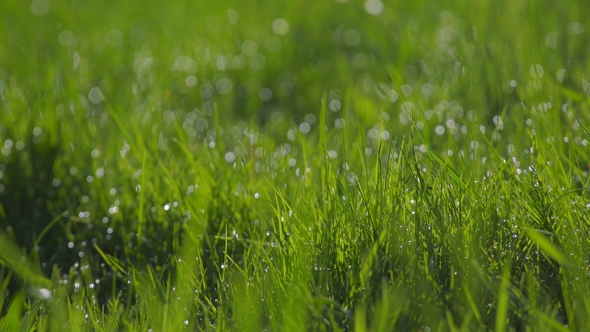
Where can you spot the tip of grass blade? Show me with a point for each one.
(546, 246)
(11, 256)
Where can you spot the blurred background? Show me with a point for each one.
(255, 58)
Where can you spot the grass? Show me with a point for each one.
(286, 166)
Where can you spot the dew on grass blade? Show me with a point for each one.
(190, 81)
(185, 64)
(224, 86)
(265, 94)
(351, 38)
(207, 90)
(17, 93)
(407, 90)
(8, 143)
(286, 88)
(560, 75)
(304, 128)
(404, 118)
(427, 90)
(280, 26)
(95, 96)
(334, 105)
(259, 152)
(257, 62)
(230, 157)
(221, 63)
(40, 7)
(310, 118)
(66, 38)
(576, 28)
(536, 71)
(273, 44)
(374, 7)
(238, 62)
(233, 15)
(114, 38)
(249, 48)
(373, 133)
(43, 293)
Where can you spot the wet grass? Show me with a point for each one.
(281, 166)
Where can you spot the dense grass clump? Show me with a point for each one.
(284, 165)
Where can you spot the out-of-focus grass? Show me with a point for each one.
(293, 166)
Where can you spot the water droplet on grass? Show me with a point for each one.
(40, 7)
(95, 96)
(265, 94)
(230, 157)
(335, 105)
(224, 86)
(351, 37)
(536, 71)
(374, 7)
(190, 81)
(280, 26)
(273, 44)
(66, 38)
(44, 293)
(114, 38)
(257, 62)
(304, 128)
(576, 28)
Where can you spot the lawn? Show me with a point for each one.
(334, 165)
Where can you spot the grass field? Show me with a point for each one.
(291, 166)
